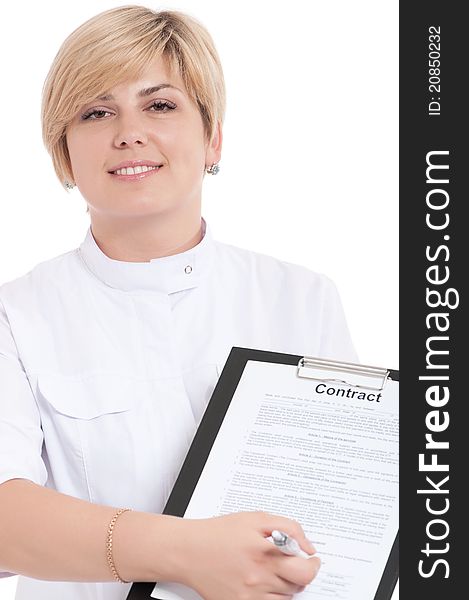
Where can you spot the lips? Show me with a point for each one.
(134, 163)
(137, 174)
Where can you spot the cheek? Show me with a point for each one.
(186, 142)
(85, 154)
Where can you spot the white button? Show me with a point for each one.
(188, 269)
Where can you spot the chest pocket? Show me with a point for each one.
(89, 398)
(121, 438)
(94, 433)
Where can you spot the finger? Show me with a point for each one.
(272, 582)
(284, 589)
(291, 588)
(297, 590)
(297, 570)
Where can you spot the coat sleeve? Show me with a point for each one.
(21, 436)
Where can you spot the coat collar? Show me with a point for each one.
(167, 274)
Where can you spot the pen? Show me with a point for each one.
(288, 545)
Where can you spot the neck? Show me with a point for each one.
(145, 238)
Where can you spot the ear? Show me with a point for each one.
(213, 152)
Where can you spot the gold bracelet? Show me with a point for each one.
(110, 559)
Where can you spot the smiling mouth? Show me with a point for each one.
(134, 174)
(135, 170)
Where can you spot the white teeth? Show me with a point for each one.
(132, 170)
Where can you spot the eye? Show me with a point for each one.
(92, 115)
(163, 106)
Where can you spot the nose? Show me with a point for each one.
(130, 131)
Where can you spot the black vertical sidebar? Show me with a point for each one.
(434, 362)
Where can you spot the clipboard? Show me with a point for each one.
(355, 376)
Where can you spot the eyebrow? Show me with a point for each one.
(143, 93)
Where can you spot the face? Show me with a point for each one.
(154, 127)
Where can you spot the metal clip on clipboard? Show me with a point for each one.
(358, 376)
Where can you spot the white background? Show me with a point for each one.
(309, 171)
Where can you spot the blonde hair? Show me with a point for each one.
(115, 46)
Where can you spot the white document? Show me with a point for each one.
(316, 453)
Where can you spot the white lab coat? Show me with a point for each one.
(106, 367)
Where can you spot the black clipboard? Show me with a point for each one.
(210, 424)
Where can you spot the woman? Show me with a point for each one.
(111, 351)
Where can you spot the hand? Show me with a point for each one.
(229, 557)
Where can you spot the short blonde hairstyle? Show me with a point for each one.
(116, 46)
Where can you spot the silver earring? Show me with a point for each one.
(69, 185)
(212, 169)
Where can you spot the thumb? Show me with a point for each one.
(307, 545)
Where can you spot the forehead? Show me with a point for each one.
(156, 75)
